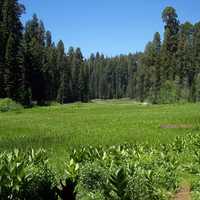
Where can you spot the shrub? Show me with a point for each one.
(9, 105)
(119, 183)
(12, 174)
(39, 185)
(93, 176)
(25, 176)
(55, 103)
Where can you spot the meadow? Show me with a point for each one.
(115, 149)
(61, 128)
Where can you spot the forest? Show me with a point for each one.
(33, 69)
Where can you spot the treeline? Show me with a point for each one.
(167, 71)
(35, 69)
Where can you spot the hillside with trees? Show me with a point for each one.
(35, 69)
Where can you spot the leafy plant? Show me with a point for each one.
(67, 190)
(39, 185)
(119, 183)
(9, 105)
(92, 176)
(23, 176)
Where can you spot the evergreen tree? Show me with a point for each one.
(35, 58)
(77, 64)
(48, 39)
(170, 43)
(9, 75)
(157, 69)
(2, 93)
(194, 68)
(11, 69)
(184, 57)
(60, 67)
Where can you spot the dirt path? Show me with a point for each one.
(183, 193)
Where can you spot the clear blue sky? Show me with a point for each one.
(108, 26)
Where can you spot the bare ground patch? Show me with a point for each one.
(176, 126)
(183, 193)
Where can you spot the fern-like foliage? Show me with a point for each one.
(119, 182)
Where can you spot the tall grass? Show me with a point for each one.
(61, 128)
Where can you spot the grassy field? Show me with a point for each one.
(60, 128)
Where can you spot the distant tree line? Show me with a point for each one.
(35, 69)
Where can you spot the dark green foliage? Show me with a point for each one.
(35, 59)
(170, 18)
(77, 65)
(67, 191)
(39, 185)
(84, 83)
(168, 93)
(119, 184)
(9, 67)
(61, 70)
(93, 176)
(11, 59)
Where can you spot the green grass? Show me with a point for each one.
(60, 128)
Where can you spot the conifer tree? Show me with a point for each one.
(60, 67)
(35, 58)
(77, 64)
(9, 74)
(170, 43)
(10, 60)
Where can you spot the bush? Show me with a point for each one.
(54, 103)
(92, 176)
(39, 185)
(25, 176)
(12, 174)
(9, 105)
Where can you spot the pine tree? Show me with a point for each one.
(2, 93)
(194, 69)
(48, 39)
(157, 69)
(49, 68)
(10, 61)
(91, 66)
(84, 83)
(2, 87)
(9, 67)
(184, 57)
(35, 59)
(77, 63)
(60, 67)
(170, 43)
(63, 65)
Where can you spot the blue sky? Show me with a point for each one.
(111, 27)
